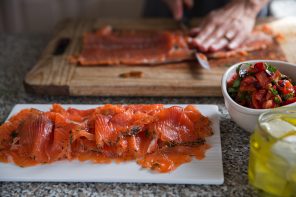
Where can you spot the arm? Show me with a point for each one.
(176, 7)
(227, 27)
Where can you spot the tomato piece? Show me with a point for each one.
(252, 70)
(286, 87)
(259, 95)
(268, 104)
(247, 88)
(289, 101)
(262, 79)
(255, 102)
(260, 66)
(277, 75)
(269, 95)
(249, 80)
(232, 79)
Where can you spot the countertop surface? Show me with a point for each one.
(20, 52)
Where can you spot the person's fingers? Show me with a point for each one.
(214, 37)
(176, 7)
(204, 33)
(218, 45)
(198, 42)
(237, 40)
(194, 31)
(230, 34)
(188, 3)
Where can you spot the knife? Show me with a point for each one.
(184, 24)
(202, 60)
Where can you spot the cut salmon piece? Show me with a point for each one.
(202, 124)
(169, 158)
(35, 136)
(8, 131)
(60, 147)
(94, 157)
(174, 126)
(73, 114)
(109, 46)
(104, 131)
(122, 46)
(153, 135)
(21, 160)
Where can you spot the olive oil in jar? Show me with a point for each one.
(272, 163)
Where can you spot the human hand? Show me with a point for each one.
(227, 27)
(176, 7)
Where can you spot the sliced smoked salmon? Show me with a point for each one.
(156, 137)
(110, 46)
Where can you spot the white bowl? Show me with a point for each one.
(245, 117)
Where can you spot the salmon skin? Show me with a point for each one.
(156, 137)
(109, 46)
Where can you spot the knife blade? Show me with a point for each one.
(202, 60)
(184, 24)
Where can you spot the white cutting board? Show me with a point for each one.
(206, 171)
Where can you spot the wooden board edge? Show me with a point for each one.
(50, 90)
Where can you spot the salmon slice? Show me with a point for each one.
(104, 131)
(73, 114)
(109, 46)
(21, 160)
(94, 157)
(169, 158)
(156, 137)
(35, 135)
(174, 126)
(8, 131)
(60, 146)
(202, 124)
(119, 46)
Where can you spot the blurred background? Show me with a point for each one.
(42, 15)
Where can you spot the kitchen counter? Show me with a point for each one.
(19, 53)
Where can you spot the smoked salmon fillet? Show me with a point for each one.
(156, 137)
(109, 46)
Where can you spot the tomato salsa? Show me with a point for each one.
(261, 86)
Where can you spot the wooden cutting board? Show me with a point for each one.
(54, 75)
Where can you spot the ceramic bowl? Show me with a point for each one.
(245, 117)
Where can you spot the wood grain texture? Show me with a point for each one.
(54, 75)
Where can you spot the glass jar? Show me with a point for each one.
(272, 163)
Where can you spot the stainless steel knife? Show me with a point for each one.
(202, 60)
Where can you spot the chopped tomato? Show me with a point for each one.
(259, 66)
(262, 78)
(260, 94)
(286, 87)
(232, 79)
(261, 85)
(268, 104)
(289, 101)
(249, 80)
(247, 88)
(269, 95)
(255, 102)
(277, 75)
